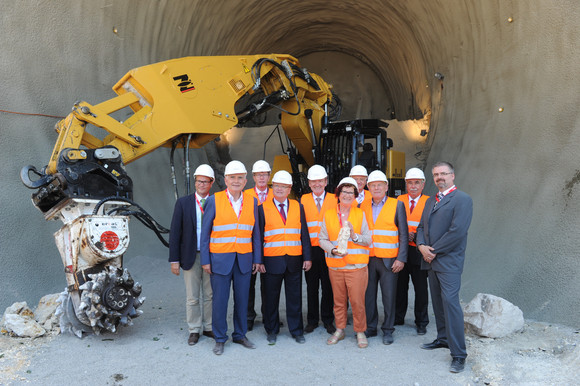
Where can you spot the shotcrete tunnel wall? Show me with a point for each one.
(519, 165)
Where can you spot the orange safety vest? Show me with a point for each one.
(367, 200)
(385, 232)
(279, 238)
(414, 218)
(357, 254)
(230, 233)
(313, 217)
(252, 191)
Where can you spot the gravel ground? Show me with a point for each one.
(154, 350)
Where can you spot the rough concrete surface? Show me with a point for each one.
(519, 165)
(154, 350)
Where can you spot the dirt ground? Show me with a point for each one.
(155, 350)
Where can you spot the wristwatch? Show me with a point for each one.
(356, 238)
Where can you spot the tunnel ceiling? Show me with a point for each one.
(380, 34)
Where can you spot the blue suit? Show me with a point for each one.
(444, 227)
(183, 233)
(228, 267)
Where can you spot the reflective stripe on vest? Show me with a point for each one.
(230, 233)
(313, 217)
(414, 218)
(357, 254)
(282, 239)
(385, 233)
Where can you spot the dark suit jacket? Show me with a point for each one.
(279, 264)
(444, 227)
(183, 232)
(222, 263)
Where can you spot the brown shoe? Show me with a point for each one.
(209, 334)
(193, 338)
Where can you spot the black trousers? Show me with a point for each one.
(272, 283)
(317, 277)
(252, 297)
(419, 278)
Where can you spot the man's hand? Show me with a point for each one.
(307, 265)
(207, 268)
(397, 266)
(258, 268)
(175, 268)
(412, 236)
(427, 253)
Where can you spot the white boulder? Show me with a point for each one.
(23, 326)
(491, 316)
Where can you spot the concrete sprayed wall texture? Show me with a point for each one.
(520, 165)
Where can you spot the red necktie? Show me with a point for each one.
(412, 206)
(282, 213)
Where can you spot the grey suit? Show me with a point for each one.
(444, 227)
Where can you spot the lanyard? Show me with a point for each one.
(340, 215)
(230, 200)
(452, 189)
(199, 204)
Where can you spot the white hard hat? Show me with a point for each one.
(204, 170)
(235, 167)
(415, 173)
(282, 177)
(316, 172)
(261, 166)
(358, 170)
(377, 175)
(348, 180)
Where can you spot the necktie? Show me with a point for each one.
(412, 206)
(318, 199)
(282, 213)
(202, 206)
(440, 196)
(262, 197)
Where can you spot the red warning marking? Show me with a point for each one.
(110, 240)
(187, 89)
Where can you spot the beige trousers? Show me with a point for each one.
(197, 289)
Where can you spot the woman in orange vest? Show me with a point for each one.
(347, 269)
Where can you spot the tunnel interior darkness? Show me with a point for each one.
(504, 110)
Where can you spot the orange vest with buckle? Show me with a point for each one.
(414, 218)
(252, 191)
(385, 232)
(357, 254)
(230, 233)
(313, 217)
(282, 239)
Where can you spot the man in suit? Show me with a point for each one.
(414, 202)
(286, 254)
(442, 239)
(387, 220)
(184, 238)
(261, 175)
(315, 205)
(230, 250)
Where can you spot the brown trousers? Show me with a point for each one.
(349, 285)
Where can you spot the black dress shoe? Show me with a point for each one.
(457, 365)
(370, 334)
(435, 344)
(250, 325)
(421, 330)
(309, 328)
(299, 339)
(388, 338)
(209, 334)
(218, 349)
(245, 342)
(193, 338)
(271, 338)
(330, 328)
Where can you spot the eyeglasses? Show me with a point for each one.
(441, 174)
(347, 193)
(202, 182)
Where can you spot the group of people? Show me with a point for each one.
(348, 244)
